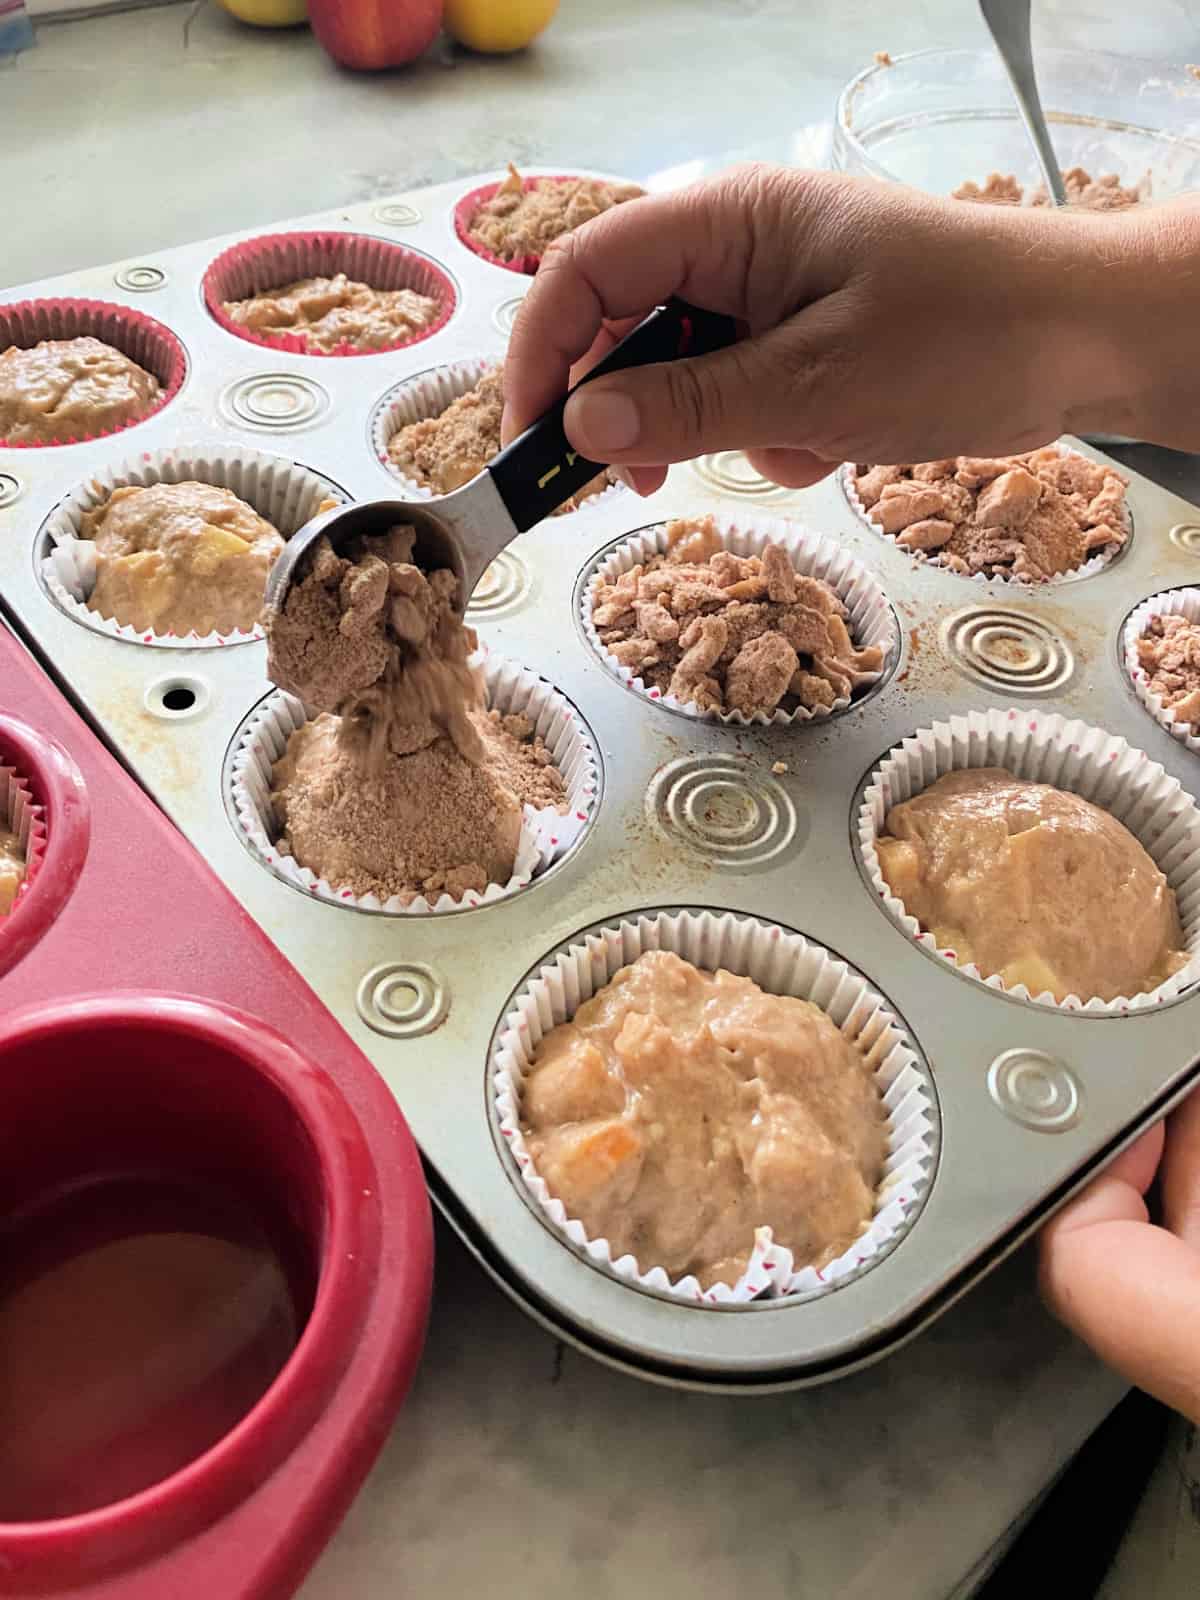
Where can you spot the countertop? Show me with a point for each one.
(520, 1468)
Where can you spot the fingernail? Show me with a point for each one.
(601, 422)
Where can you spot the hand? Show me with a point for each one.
(882, 325)
(1129, 1287)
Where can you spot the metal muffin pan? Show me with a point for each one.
(423, 995)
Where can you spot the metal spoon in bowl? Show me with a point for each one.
(1008, 23)
(467, 529)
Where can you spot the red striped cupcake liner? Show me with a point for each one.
(25, 323)
(22, 814)
(256, 266)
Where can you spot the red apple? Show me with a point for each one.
(371, 34)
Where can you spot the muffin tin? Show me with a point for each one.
(752, 820)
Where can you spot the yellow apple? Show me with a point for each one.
(268, 13)
(497, 27)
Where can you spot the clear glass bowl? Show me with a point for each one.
(938, 117)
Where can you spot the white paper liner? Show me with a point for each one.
(428, 394)
(1087, 569)
(871, 619)
(1048, 748)
(1173, 603)
(282, 492)
(781, 963)
(546, 836)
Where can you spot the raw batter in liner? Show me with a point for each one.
(730, 633)
(405, 785)
(63, 389)
(679, 1110)
(1034, 884)
(446, 451)
(12, 869)
(337, 313)
(180, 558)
(519, 221)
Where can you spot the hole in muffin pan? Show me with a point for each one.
(821, 555)
(781, 960)
(176, 699)
(549, 840)
(1102, 563)
(1074, 756)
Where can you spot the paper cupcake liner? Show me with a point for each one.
(780, 962)
(871, 619)
(256, 266)
(282, 492)
(464, 216)
(21, 814)
(1173, 603)
(1070, 755)
(1087, 569)
(153, 346)
(546, 836)
(428, 394)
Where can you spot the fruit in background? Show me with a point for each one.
(268, 13)
(497, 27)
(371, 34)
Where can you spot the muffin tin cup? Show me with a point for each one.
(282, 492)
(271, 261)
(427, 395)
(781, 962)
(1047, 748)
(546, 836)
(1087, 569)
(466, 209)
(1175, 603)
(26, 323)
(871, 619)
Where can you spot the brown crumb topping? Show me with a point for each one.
(1105, 193)
(729, 633)
(525, 221)
(1169, 654)
(1029, 517)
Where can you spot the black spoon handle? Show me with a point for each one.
(539, 470)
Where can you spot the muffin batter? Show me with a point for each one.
(64, 389)
(1034, 884)
(448, 450)
(404, 785)
(12, 869)
(519, 221)
(679, 1110)
(180, 558)
(1169, 654)
(1029, 516)
(1105, 193)
(730, 633)
(338, 313)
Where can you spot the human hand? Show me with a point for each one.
(1128, 1287)
(882, 324)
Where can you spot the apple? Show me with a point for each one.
(369, 35)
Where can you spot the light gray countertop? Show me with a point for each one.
(520, 1469)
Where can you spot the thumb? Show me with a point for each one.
(748, 395)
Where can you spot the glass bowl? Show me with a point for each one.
(937, 117)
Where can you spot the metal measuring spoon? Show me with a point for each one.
(1008, 23)
(467, 529)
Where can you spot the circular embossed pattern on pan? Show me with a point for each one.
(396, 214)
(505, 314)
(1185, 536)
(1007, 649)
(502, 588)
(11, 489)
(730, 472)
(140, 280)
(1035, 1089)
(725, 811)
(403, 999)
(275, 401)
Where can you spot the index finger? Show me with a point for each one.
(631, 258)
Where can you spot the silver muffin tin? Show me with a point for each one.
(423, 995)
